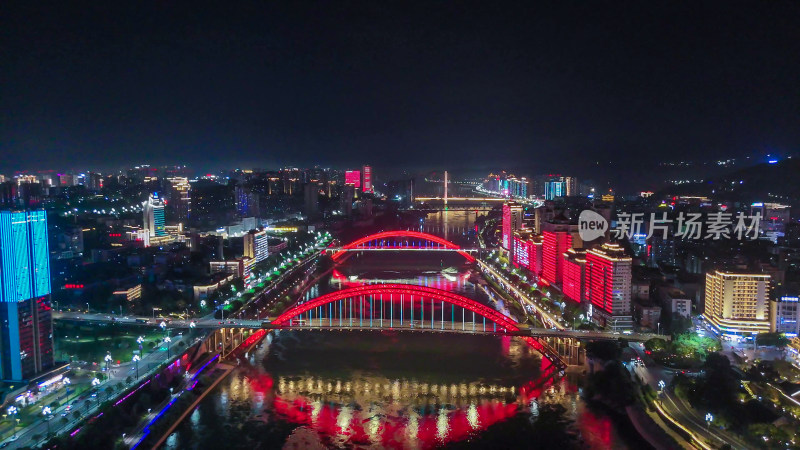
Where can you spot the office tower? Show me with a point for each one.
(26, 338)
(784, 315)
(570, 186)
(153, 213)
(512, 221)
(554, 244)
(247, 202)
(554, 189)
(573, 274)
(366, 180)
(607, 283)
(180, 202)
(256, 245)
(353, 178)
(736, 303)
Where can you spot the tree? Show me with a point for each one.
(772, 339)
(656, 345)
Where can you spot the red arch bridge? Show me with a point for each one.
(400, 240)
(406, 307)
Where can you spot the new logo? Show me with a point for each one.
(591, 225)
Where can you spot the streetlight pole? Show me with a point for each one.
(46, 413)
(136, 359)
(12, 411)
(107, 359)
(168, 340)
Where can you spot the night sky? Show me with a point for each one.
(554, 86)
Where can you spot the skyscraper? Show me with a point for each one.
(512, 221)
(737, 303)
(180, 201)
(26, 339)
(554, 244)
(153, 213)
(607, 282)
(366, 180)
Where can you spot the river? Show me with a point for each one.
(390, 389)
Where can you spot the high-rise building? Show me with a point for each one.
(573, 274)
(512, 221)
(353, 178)
(247, 202)
(571, 186)
(256, 245)
(554, 244)
(153, 211)
(554, 189)
(736, 303)
(180, 202)
(366, 180)
(311, 200)
(607, 283)
(26, 338)
(784, 315)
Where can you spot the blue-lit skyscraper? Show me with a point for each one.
(154, 221)
(26, 338)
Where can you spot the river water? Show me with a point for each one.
(390, 389)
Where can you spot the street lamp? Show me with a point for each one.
(163, 325)
(12, 411)
(709, 418)
(136, 360)
(661, 385)
(108, 360)
(168, 340)
(46, 413)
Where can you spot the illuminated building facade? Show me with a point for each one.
(512, 221)
(180, 199)
(26, 338)
(607, 283)
(154, 219)
(366, 180)
(353, 178)
(256, 245)
(737, 303)
(554, 244)
(572, 281)
(784, 316)
(555, 188)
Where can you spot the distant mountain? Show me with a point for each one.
(779, 182)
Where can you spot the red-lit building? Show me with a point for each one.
(527, 251)
(554, 244)
(572, 282)
(366, 180)
(353, 178)
(512, 221)
(608, 286)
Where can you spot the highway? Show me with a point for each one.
(116, 374)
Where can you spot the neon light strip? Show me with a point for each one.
(196, 374)
(132, 392)
(158, 416)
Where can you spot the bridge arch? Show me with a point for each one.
(503, 322)
(360, 243)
